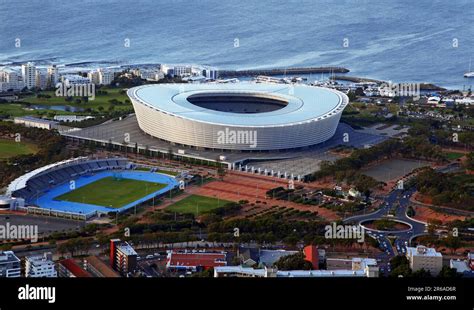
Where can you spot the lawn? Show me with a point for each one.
(99, 100)
(454, 155)
(100, 103)
(110, 192)
(10, 148)
(196, 204)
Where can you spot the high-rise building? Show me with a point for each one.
(425, 258)
(123, 257)
(41, 266)
(53, 76)
(41, 80)
(10, 266)
(28, 73)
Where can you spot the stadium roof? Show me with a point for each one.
(20, 182)
(304, 103)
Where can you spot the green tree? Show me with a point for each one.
(293, 262)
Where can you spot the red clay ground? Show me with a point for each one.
(243, 186)
(424, 213)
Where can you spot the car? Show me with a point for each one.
(149, 256)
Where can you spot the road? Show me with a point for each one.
(394, 207)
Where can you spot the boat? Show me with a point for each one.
(469, 74)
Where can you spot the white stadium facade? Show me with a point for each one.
(240, 116)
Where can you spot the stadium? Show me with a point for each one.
(82, 188)
(240, 116)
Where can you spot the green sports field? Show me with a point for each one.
(196, 204)
(10, 148)
(110, 192)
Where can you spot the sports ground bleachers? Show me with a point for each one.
(44, 180)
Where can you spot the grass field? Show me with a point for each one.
(99, 100)
(109, 192)
(196, 204)
(10, 148)
(100, 104)
(454, 155)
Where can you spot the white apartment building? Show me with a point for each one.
(40, 266)
(101, 77)
(425, 258)
(106, 77)
(28, 73)
(182, 71)
(10, 79)
(10, 266)
(53, 76)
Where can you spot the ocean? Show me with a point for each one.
(396, 40)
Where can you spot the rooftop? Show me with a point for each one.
(7, 257)
(101, 267)
(460, 265)
(291, 273)
(422, 251)
(196, 259)
(74, 268)
(35, 119)
(126, 249)
(304, 103)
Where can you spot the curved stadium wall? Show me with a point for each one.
(169, 116)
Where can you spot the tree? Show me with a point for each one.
(422, 273)
(453, 243)
(400, 267)
(293, 262)
(447, 272)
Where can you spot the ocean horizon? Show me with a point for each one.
(399, 41)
